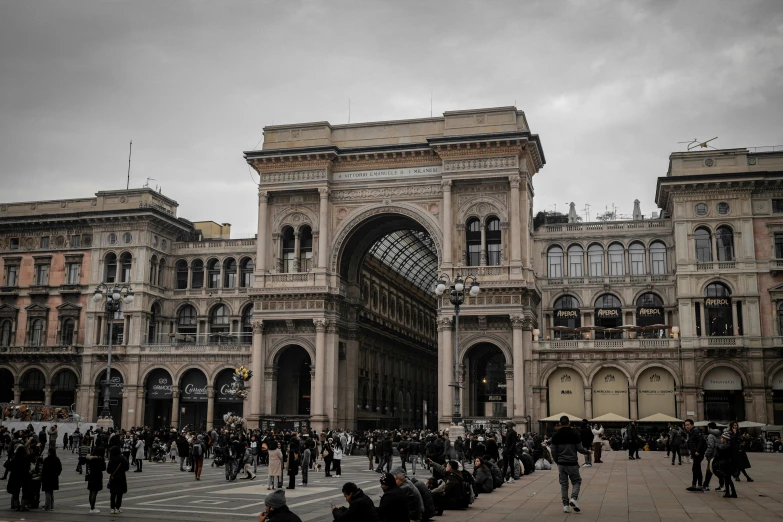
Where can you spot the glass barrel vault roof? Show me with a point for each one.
(411, 254)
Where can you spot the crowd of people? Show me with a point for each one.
(451, 475)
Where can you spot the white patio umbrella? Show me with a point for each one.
(611, 417)
(751, 424)
(556, 418)
(660, 417)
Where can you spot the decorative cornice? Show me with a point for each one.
(491, 163)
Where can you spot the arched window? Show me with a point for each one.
(305, 249)
(493, 241)
(616, 259)
(229, 273)
(658, 258)
(717, 309)
(37, 332)
(576, 257)
(110, 272)
(473, 241)
(5, 332)
(213, 273)
(567, 314)
(595, 258)
(289, 249)
(247, 267)
(187, 321)
(126, 262)
(197, 279)
(181, 269)
(637, 256)
(608, 314)
(649, 312)
(703, 240)
(724, 237)
(154, 270)
(554, 257)
(219, 323)
(67, 337)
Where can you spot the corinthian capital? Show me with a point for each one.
(258, 327)
(446, 184)
(320, 324)
(517, 321)
(324, 192)
(263, 196)
(515, 181)
(444, 323)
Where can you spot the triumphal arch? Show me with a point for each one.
(355, 224)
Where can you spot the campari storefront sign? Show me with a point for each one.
(193, 387)
(224, 381)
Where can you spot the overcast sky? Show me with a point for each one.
(610, 87)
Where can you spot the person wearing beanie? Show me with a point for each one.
(393, 506)
(276, 509)
(412, 495)
(360, 507)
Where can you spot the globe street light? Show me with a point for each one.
(456, 289)
(113, 295)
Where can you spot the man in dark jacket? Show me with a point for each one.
(565, 444)
(632, 440)
(697, 446)
(426, 498)
(360, 507)
(276, 509)
(586, 435)
(509, 448)
(387, 450)
(394, 505)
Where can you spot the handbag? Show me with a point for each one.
(108, 484)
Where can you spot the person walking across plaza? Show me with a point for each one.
(697, 446)
(138, 449)
(727, 458)
(199, 449)
(247, 461)
(710, 455)
(50, 481)
(275, 467)
(598, 432)
(741, 462)
(294, 460)
(566, 443)
(118, 482)
(631, 440)
(586, 434)
(675, 443)
(95, 468)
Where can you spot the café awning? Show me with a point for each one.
(611, 417)
(660, 417)
(751, 424)
(556, 418)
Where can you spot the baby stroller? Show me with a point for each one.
(219, 458)
(158, 451)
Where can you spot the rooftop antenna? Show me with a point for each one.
(586, 210)
(695, 143)
(130, 151)
(147, 184)
(349, 110)
(555, 205)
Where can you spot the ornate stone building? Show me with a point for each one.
(332, 305)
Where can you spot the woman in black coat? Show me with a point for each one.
(50, 478)
(95, 468)
(19, 467)
(118, 483)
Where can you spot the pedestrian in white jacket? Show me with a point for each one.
(598, 432)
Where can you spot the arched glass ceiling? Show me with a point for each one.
(411, 254)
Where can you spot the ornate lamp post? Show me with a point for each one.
(457, 289)
(113, 295)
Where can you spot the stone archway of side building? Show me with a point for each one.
(485, 393)
(293, 395)
(158, 398)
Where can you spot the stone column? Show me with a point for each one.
(703, 319)
(297, 247)
(129, 394)
(333, 377)
(17, 394)
(320, 373)
(263, 233)
(257, 367)
(516, 254)
(518, 362)
(175, 408)
(632, 393)
(734, 321)
(525, 221)
(447, 223)
(352, 379)
(483, 254)
(47, 395)
(446, 358)
(323, 228)
(211, 406)
(139, 407)
(510, 383)
(270, 391)
(588, 403)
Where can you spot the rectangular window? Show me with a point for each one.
(73, 273)
(76, 241)
(305, 260)
(45, 242)
(12, 275)
(474, 255)
(493, 254)
(288, 262)
(575, 265)
(739, 318)
(42, 275)
(231, 280)
(247, 277)
(198, 279)
(697, 307)
(658, 260)
(555, 266)
(777, 205)
(596, 265)
(616, 264)
(778, 246)
(14, 243)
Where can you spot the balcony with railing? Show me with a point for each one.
(217, 343)
(607, 344)
(609, 227)
(40, 350)
(601, 280)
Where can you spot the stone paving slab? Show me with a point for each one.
(645, 490)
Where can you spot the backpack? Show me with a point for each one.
(468, 496)
(197, 450)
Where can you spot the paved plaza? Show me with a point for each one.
(645, 490)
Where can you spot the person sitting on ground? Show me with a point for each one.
(527, 461)
(426, 497)
(415, 502)
(360, 507)
(276, 509)
(482, 477)
(393, 506)
(450, 494)
(497, 475)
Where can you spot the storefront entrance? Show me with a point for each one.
(723, 397)
(193, 400)
(159, 399)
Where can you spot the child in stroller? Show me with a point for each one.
(219, 459)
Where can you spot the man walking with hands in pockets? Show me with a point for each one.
(566, 443)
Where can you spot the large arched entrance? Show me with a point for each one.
(158, 399)
(32, 384)
(193, 399)
(64, 388)
(6, 385)
(723, 397)
(655, 392)
(225, 402)
(610, 393)
(293, 381)
(485, 366)
(566, 393)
